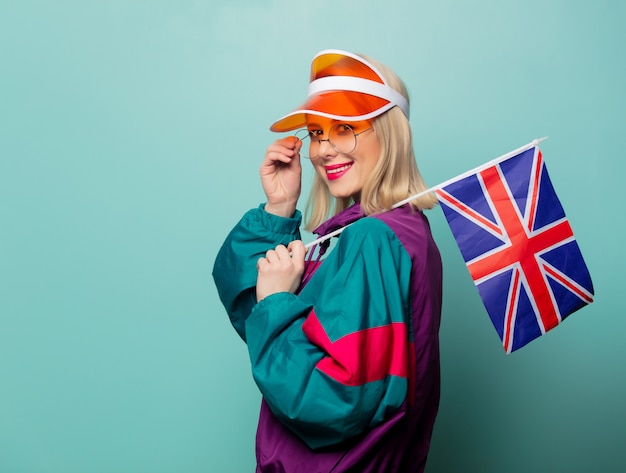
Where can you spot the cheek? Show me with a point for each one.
(319, 169)
(370, 161)
(371, 154)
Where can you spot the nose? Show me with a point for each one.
(326, 150)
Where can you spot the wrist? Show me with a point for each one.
(286, 209)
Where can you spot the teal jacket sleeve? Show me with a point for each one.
(335, 360)
(235, 271)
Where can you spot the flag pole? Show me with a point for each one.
(476, 170)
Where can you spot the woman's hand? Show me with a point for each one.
(281, 176)
(281, 270)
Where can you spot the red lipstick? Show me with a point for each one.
(337, 170)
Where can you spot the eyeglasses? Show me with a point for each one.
(341, 137)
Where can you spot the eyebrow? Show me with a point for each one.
(334, 122)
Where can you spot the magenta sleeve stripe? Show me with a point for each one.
(364, 356)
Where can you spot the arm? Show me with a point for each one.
(275, 223)
(235, 272)
(335, 360)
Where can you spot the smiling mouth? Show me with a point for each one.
(336, 171)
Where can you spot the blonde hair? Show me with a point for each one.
(395, 176)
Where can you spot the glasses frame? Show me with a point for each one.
(303, 133)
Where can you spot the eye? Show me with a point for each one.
(315, 134)
(343, 129)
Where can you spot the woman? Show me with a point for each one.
(346, 351)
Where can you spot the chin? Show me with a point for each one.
(341, 195)
(343, 192)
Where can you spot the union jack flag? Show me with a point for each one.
(518, 246)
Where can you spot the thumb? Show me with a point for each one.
(297, 250)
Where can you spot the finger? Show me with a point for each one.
(260, 264)
(297, 144)
(271, 157)
(287, 141)
(292, 147)
(297, 250)
(282, 252)
(271, 256)
(287, 145)
(299, 141)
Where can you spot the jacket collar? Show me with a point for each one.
(346, 217)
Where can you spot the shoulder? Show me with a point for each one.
(368, 240)
(403, 229)
(369, 231)
(405, 221)
(412, 229)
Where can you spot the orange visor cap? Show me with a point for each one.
(343, 87)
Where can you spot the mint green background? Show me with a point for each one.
(130, 137)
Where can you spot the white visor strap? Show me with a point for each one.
(357, 84)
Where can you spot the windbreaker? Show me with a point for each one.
(349, 366)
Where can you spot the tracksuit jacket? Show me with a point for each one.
(349, 366)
